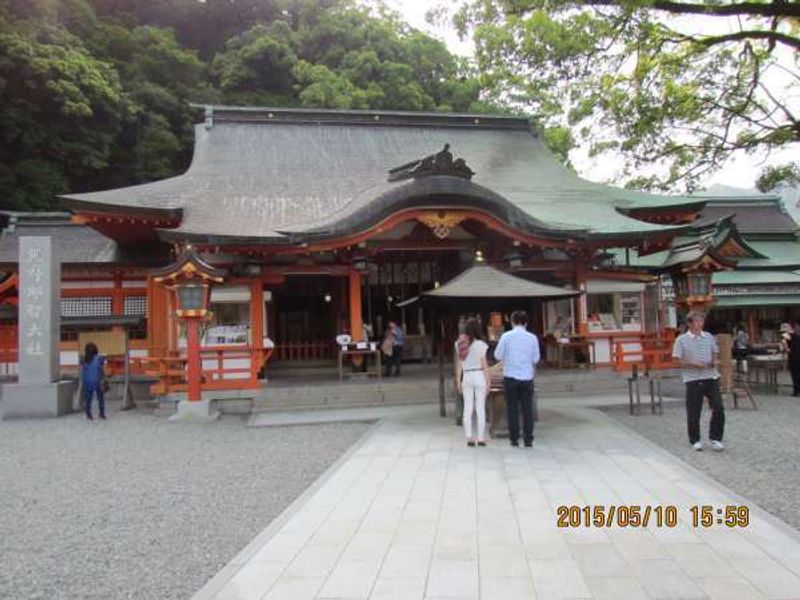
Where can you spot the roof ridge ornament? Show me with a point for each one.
(441, 163)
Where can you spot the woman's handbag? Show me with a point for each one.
(104, 384)
(387, 346)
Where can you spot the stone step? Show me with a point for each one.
(394, 392)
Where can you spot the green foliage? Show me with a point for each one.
(59, 114)
(95, 94)
(772, 178)
(635, 78)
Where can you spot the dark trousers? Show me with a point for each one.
(695, 392)
(519, 397)
(89, 391)
(794, 370)
(394, 361)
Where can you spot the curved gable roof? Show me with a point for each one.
(269, 173)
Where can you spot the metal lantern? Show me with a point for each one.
(192, 298)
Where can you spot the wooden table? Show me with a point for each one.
(365, 352)
(770, 364)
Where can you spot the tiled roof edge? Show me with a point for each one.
(375, 118)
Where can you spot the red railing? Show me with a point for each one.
(9, 353)
(304, 350)
(651, 351)
(218, 373)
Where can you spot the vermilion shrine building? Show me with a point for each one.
(325, 221)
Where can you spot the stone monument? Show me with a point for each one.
(39, 391)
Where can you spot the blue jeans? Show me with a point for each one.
(90, 390)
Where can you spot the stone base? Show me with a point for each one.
(37, 400)
(199, 410)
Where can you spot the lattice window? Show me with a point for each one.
(86, 307)
(136, 305)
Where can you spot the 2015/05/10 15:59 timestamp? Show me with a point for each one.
(666, 515)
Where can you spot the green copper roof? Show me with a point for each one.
(757, 300)
(738, 277)
(780, 255)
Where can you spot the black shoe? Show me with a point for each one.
(103, 417)
(529, 444)
(470, 443)
(515, 443)
(481, 443)
(90, 417)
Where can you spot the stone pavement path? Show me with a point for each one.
(412, 513)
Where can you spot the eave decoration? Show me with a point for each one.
(441, 223)
(441, 163)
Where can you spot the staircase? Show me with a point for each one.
(416, 386)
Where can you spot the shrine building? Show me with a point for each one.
(330, 222)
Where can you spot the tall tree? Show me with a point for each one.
(675, 87)
(60, 112)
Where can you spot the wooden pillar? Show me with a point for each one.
(257, 314)
(117, 296)
(356, 320)
(193, 360)
(581, 309)
(752, 325)
(256, 327)
(158, 321)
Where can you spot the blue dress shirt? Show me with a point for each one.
(519, 351)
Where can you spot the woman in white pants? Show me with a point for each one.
(472, 378)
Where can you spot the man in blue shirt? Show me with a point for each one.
(518, 349)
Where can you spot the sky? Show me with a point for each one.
(741, 171)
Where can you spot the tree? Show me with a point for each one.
(647, 79)
(159, 80)
(59, 113)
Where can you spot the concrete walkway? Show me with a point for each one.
(412, 513)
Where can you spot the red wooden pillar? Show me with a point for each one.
(257, 326)
(356, 319)
(158, 318)
(581, 309)
(193, 360)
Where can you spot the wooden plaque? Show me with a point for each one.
(110, 343)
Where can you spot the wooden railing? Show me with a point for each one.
(217, 372)
(304, 350)
(651, 352)
(9, 352)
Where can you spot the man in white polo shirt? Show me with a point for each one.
(698, 355)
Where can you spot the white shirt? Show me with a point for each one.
(477, 350)
(519, 351)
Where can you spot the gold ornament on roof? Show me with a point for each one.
(441, 223)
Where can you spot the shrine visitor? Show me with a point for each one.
(472, 378)
(92, 376)
(518, 350)
(398, 339)
(790, 340)
(698, 355)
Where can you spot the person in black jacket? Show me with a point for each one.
(790, 339)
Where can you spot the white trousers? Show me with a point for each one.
(474, 386)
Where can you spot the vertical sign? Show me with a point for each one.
(39, 311)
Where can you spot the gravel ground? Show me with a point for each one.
(137, 507)
(760, 460)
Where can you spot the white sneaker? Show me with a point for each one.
(717, 445)
(698, 446)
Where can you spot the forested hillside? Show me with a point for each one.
(95, 93)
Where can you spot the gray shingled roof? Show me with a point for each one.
(757, 218)
(484, 281)
(284, 174)
(74, 243)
